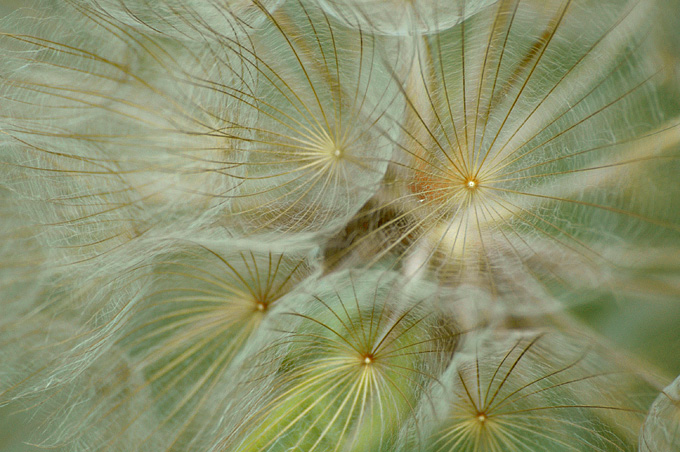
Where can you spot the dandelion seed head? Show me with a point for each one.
(330, 149)
(511, 146)
(318, 154)
(503, 147)
(507, 391)
(330, 358)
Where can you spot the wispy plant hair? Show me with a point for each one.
(661, 430)
(508, 391)
(190, 20)
(350, 370)
(339, 225)
(536, 149)
(397, 17)
(157, 366)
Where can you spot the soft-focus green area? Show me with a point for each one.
(647, 329)
(15, 427)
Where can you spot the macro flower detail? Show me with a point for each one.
(183, 20)
(536, 392)
(399, 17)
(353, 369)
(313, 129)
(520, 130)
(339, 225)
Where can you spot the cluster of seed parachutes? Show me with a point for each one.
(334, 225)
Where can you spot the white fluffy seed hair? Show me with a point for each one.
(260, 132)
(136, 355)
(537, 151)
(661, 430)
(188, 20)
(336, 379)
(532, 390)
(109, 130)
(398, 17)
(188, 187)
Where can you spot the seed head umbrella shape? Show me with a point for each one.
(535, 391)
(184, 339)
(343, 225)
(349, 372)
(535, 151)
(315, 129)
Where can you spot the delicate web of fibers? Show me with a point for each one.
(350, 225)
(403, 17)
(186, 20)
(353, 367)
(661, 430)
(540, 116)
(531, 391)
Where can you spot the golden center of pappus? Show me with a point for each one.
(260, 306)
(482, 418)
(330, 148)
(471, 183)
(367, 359)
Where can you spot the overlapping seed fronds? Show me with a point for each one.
(314, 128)
(74, 130)
(79, 202)
(528, 392)
(182, 339)
(185, 20)
(352, 369)
(284, 134)
(527, 128)
(196, 322)
(340, 225)
(136, 363)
